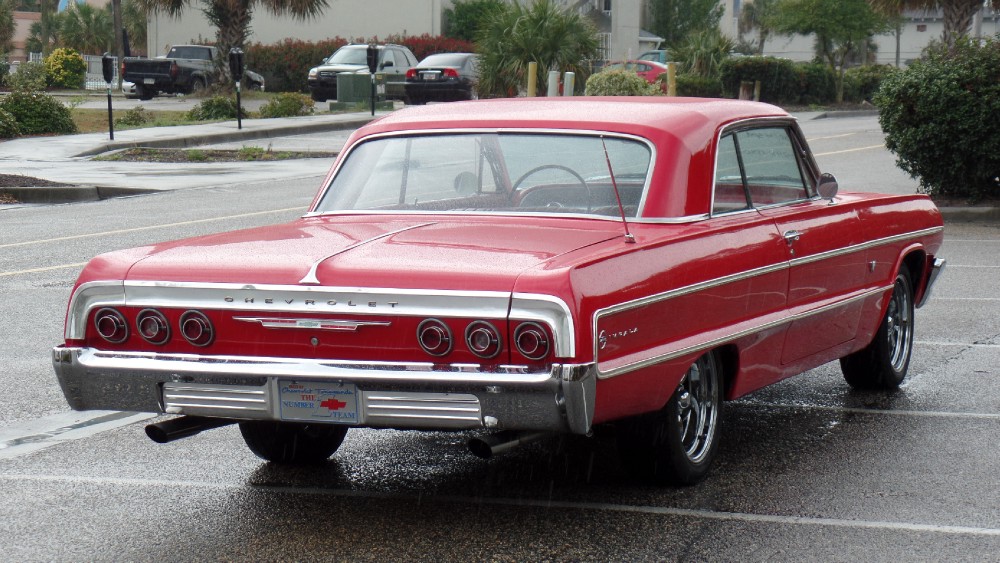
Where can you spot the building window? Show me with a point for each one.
(606, 7)
(921, 27)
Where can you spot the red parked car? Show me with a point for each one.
(649, 70)
(517, 267)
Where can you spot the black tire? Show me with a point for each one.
(884, 362)
(144, 93)
(198, 86)
(677, 444)
(317, 96)
(290, 443)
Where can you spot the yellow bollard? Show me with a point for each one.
(532, 79)
(671, 79)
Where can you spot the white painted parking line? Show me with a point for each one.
(41, 433)
(530, 503)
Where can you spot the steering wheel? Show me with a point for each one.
(566, 169)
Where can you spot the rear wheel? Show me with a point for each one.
(317, 96)
(676, 445)
(290, 443)
(883, 363)
(198, 86)
(144, 93)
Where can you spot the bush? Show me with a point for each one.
(619, 83)
(861, 83)
(8, 125)
(779, 80)
(30, 77)
(134, 117)
(65, 69)
(286, 65)
(817, 84)
(37, 113)
(940, 117)
(696, 86)
(288, 104)
(216, 107)
(426, 44)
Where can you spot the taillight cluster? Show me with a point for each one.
(483, 339)
(153, 327)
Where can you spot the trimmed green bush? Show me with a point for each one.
(288, 104)
(940, 119)
(8, 125)
(37, 113)
(30, 77)
(862, 82)
(619, 83)
(65, 69)
(817, 84)
(696, 86)
(778, 78)
(133, 117)
(216, 107)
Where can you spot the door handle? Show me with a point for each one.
(792, 237)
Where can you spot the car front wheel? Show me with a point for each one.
(676, 445)
(883, 363)
(290, 443)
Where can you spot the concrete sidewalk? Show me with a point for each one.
(67, 158)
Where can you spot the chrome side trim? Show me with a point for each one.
(936, 268)
(311, 279)
(337, 300)
(694, 348)
(863, 246)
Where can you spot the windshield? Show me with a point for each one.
(490, 172)
(349, 56)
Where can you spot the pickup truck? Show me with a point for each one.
(185, 69)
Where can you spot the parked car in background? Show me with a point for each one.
(515, 268)
(185, 69)
(444, 77)
(393, 61)
(646, 69)
(251, 81)
(657, 56)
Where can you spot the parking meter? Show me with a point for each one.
(108, 70)
(372, 58)
(236, 70)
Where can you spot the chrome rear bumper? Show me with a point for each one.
(936, 268)
(391, 395)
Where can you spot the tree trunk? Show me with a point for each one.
(958, 19)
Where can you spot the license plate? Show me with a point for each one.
(430, 75)
(318, 401)
(148, 80)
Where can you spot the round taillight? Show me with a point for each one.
(196, 328)
(152, 326)
(531, 341)
(483, 339)
(111, 325)
(434, 337)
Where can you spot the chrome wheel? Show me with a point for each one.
(697, 399)
(883, 363)
(899, 325)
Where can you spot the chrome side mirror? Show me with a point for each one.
(827, 187)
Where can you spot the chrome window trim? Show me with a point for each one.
(732, 278)
(480, 131)
(547, 309)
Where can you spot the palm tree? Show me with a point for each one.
(43, 35)
(543, 33)
(958, 14)
(231, 18)
(6, 26)
(757, 15)
(87, 29)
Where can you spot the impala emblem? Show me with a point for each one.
(311, 324)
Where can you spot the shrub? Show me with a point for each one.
(940, 116)
(862, 82)
(696, 86)
(37, 113)
(216, 107)
(427, 44)
(65, 69)
(779, 81)
(817, 84)
(288, 104)
(30, 77)
(286, 65)
(619, 83)
(134, 117)
(8, 125)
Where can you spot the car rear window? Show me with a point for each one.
(489, 172)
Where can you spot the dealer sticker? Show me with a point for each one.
(319, 401)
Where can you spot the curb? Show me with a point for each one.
(970, 214)
(230, 136)
(71, 194)
(848, 113)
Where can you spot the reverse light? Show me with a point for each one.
(196, 328)
(434, 337)
(531, 341)
(152, 326)
(483, 339)
(111, 325)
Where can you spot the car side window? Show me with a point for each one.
(730, 193)
(770, 166)
(388, 59)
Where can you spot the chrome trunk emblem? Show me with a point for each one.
(311, 324)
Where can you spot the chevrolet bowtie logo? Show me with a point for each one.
(311, 324)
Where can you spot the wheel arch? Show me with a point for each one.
(729, 359)
(914, 259)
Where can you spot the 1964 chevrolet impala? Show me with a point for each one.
(520, 267)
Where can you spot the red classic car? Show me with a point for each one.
(518, 267)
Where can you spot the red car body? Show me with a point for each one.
(701, 274)
(649, 70)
